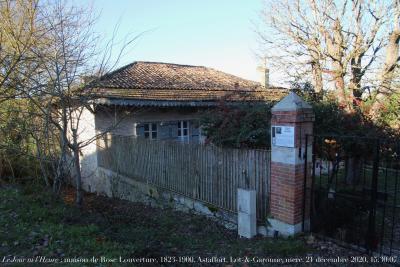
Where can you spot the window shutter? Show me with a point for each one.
(174, 129)
(140, 129)
(164, 131)
(194, 136)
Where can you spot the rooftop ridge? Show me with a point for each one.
(168, 63)
(173, 64)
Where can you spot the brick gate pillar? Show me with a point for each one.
(292, 119)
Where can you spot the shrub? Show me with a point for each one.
(244, 126)
(248, 126)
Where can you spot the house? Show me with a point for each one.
(163, 101)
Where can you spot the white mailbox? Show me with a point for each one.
(283, 136)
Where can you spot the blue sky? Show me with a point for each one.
(218, 34)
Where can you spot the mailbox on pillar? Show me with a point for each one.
(292, 119)
(283, 136)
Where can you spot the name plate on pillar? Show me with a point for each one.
(283, 136)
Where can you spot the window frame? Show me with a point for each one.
(181, 130)
(150, 131)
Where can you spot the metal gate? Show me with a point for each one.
(354, 191)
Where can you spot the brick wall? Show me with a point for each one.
(287, 191)
(287, 167)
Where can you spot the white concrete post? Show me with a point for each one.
(247, 222)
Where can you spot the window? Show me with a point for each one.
(183, 131)
(150, 130)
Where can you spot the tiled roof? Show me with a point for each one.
(172, 82)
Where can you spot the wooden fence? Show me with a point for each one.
(206, 173)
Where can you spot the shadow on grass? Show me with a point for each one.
(37, 223)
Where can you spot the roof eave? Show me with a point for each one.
(174, 103)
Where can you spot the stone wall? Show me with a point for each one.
(114, 185)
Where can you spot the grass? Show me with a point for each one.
(36, 223)
(386, 180)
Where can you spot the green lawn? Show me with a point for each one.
(34, 223)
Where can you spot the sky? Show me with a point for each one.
(218, 34)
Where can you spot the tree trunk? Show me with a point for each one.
(78, 175)
(355, 81)
(62, 162)
(354, 94)
(314, 48)
(1, 166)
(317, 77)
(335, 44)
(392, 57)
(339, 86)
(42, 165)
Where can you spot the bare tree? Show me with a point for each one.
(338, 40)
(17, 28)
(390, 65)
(65, 53)
(337, 44)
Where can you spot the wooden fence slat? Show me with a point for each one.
(205, 173)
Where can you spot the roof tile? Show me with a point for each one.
(165, 81)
